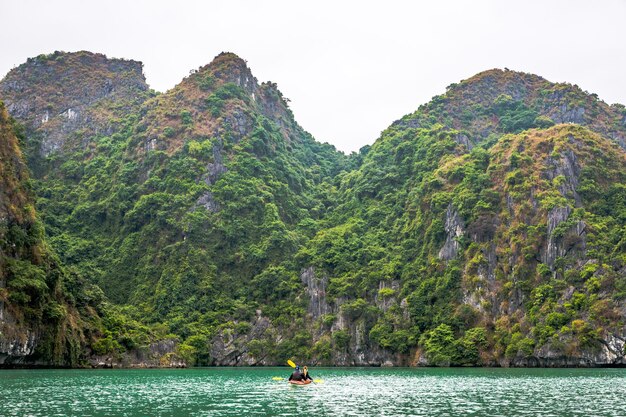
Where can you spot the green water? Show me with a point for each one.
(344, 392)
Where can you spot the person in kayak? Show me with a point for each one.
(305, 374)
(296, 375)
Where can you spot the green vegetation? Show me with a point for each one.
(390, 224)
(181, 245)
(41, 295)
(474, 231)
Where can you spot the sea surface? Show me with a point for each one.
(343, 392)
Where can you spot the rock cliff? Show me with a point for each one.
(64, 99)
(486, 228)
(37, 324)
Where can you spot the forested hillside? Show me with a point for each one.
(488, 256)
(177, 209)
(475, 241)
(46, 312)
(488, 227)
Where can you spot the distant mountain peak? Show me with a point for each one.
(506, 101)
(497, 81)
(82, 56)
(229, 58)
(63, 92)
(502, 74)
(221, 99)
(228, 67)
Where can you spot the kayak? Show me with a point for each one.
(307, 382)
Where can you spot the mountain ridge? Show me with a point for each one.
(75, 91)
(472, 232)
(488, 96)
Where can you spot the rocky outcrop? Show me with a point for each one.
(454, 230)
(60, 94)
(466, 105)
(238, 124)
(222, 100)
(566, 114)
(566, 171)
(235, 347)
(161, 354)
(566, 167)
(17, 341)
(386, 297)
(462, 139)
(316, 290)
(360, 351)
(19, 335)
(215, 170)
(607, 352)
(230, 68)
(556, 216)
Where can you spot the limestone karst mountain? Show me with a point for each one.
(488, 227)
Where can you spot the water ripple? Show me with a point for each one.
(345, 392)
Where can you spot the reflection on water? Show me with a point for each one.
(345, 392)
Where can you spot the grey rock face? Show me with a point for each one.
(17, 342)
(17, 345)
(462, 139)
(610, 352)
(235, 70)
(565, 114)
(409, 123)
(267, 98)
(207, 201)
(384, 303)
(553, 250)
(60, 95)
(232, 349)
(239, 124)
(487, 272)
(567, 168)
(316, 290)
(454, 229)
(618, 138)
(360, 351)
(215, 170)
(161, 354)
(484, 290)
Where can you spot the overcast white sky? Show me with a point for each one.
(350, 68)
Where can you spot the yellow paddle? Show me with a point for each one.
(291, 363)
